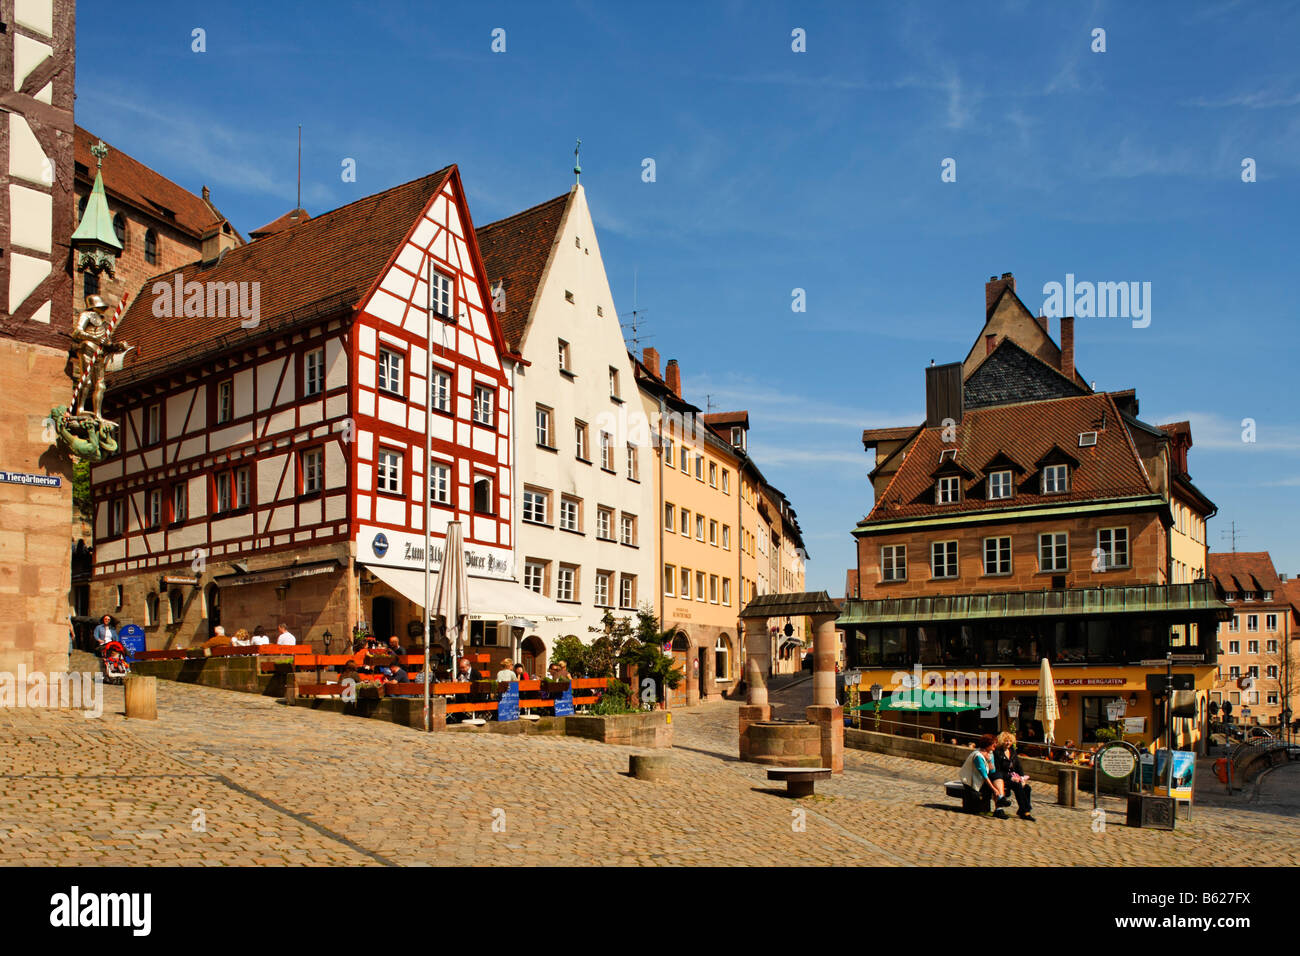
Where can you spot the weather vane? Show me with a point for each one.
(577, 168)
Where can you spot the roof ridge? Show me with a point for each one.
(524, 212)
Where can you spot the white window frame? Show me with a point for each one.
(484, 405)
(1060, 542)
(535, 576)
(726, 592)
(605, 524)
(670, 516)
(388, 372)
(701, 582)
(627, 528)
(685, 591)
(1003, 480)
(225, 401)
(1252, 622)
(536, 506)
(224, 492)
(1055, 479)
(670, 580)
(699, 526)
(580, 439)
(1001, 548)
(713, 532)
(570, 513)
(945, 552)
(543, 417)
(440, 391)
(947, 490)
(243, 486)
(1111, 538)
(180, 502)
(633, 463)
(442, 294)
(566, 582)
(726, 537)
(155, 507)
(627, 592)
(312, 464)
(313, 372)
(891, 567)
(613, 383)
(153, 424)
(602, 588)
(388, 471)
(440, 484)
(563, 357)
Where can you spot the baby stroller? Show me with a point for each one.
(116, 667)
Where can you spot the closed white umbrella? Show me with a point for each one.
(451, 603)
(1046, 710)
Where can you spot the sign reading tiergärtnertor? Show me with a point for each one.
(23, 478)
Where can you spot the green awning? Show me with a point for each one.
(1199, 597)
(930, 702)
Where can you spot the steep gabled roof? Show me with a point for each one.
(1011, 374)
(1243, 571)
(515, 252)
(326, 264)
(131, 181)
(1027, 433)
(872, 437)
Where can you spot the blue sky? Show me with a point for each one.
(819, 170)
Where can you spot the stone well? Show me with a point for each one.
(782, 743)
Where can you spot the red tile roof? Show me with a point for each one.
(126, 179)
(1025, 433)
(726, 419)
(327, 264)
(515, 252)
(1291, 590)
(871, 437)
(291, 218)
(1243, 571)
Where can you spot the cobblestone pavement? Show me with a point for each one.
(227, 778)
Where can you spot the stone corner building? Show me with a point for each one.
(1032, 517)
(37, 55)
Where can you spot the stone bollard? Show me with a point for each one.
(652, 767)
(141, 697)
(1067, 786)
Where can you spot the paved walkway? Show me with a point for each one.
(227, 778)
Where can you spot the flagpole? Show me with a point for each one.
(428, 504)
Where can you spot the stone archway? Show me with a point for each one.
(532, 654)
(685, 693)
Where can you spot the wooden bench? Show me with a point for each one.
(799, 781)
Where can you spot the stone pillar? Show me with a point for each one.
(756, 707)
(831, 722)
(825, 653)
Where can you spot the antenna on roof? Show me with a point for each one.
(636, 314)
(708, 404)
(1232, 534)
(577, 167)
(299, 203)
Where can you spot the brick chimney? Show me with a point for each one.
(650, 359)
(673, 376)
(1042, 323)
(993, 288)
(1067, 346)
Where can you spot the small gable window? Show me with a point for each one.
(947, 490)
(1087, 439)
(1000, 485)
(1056, 479)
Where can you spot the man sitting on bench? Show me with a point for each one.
(980, 780)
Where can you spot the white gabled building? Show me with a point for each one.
(587, 522)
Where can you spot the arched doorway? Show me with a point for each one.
(532, 654)
(382, 619)
(681, 652)
(214, 608)
(722, 659)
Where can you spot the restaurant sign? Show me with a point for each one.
(1071, 681)
(401, 549)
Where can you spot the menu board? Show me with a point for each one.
(508, 706)
(564, 703)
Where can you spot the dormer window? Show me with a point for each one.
(1000, 485)
(738, 437)
(1056, 479)
(947, 454)
(947, 490)
(1087, 439)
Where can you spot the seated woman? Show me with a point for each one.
(979, 774)
(506, 672)
(1013, 774)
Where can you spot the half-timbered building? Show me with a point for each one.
(273, 422)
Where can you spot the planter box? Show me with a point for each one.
(629, 730)
(240, 673)
(406, 711)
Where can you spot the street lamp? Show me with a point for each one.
(876, 692)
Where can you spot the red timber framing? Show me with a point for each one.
(269, 423)
(272, 423)
(391, 335)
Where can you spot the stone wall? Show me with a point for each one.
(241, 674)
(35, 542)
